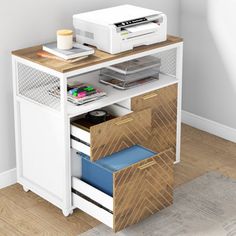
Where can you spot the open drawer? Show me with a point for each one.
(139, 191)
(125, 129)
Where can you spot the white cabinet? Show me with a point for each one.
(46, 162)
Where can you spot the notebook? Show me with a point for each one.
(78, 50)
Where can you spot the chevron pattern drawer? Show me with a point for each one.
(139, 191)
(113, 135)
(163, 105)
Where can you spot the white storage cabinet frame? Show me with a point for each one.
(42, 130)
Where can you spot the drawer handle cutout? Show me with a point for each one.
(124, 121)
(144, 166)
(149, 96)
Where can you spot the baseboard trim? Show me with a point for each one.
(209, 126)
(7, 178)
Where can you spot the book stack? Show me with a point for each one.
(76, 53)
(79, 93)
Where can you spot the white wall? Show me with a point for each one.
(25, 23)
(209, 79)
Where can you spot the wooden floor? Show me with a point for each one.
(27, 214)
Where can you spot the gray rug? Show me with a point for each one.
(205, 206)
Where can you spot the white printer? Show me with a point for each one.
(120, 28)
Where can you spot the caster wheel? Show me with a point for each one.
(25, 189)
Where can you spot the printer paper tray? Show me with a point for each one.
(139, 35)
(142, 28)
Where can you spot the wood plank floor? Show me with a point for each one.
(27, 214)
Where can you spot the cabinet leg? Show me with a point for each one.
(25, 189)
(66, 213)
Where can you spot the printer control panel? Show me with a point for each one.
(131, 22)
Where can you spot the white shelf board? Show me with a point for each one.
(115, 95)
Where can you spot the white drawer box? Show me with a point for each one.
(81, 147)
(125, 130)
(84, 135)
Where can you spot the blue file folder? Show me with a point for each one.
(100, 173)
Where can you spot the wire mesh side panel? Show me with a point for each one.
(168, 61)
(38, 86)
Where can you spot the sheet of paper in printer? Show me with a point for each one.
(142, 27)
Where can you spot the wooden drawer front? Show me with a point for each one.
(163, 103)
(143, 189)
(119, 133)
(139, 191)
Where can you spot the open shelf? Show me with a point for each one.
(115, 95)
